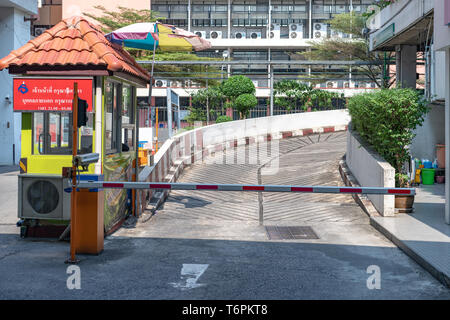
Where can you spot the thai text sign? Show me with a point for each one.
(45, 94)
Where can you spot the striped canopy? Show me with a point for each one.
(167, 37)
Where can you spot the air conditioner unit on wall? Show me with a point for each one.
(360, 84)
(160, 83)
(332, 84)
(320, 30)
(255, 83)
(43, 197)
(215, 34)
(239, 35)
(193, 84)
(176, 84)
(39, 30)
(340, 9)
(201, 34)
(274, 31)
(295, 31)
(255, 35)
(337, 34)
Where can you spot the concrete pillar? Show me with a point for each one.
(447, 135)
(406, 66)
(189, 15)
(310, 19)
(229, 20)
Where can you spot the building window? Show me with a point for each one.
(128, 128)
(38, 133)
(52, 133)
(111, 116)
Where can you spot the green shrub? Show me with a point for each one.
(386, 120)
(237, 85)
(245, 102)
(196, 114)
(223, 119)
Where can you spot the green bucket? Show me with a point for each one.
(427, 176)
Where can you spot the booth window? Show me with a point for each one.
(111, 116)
(127, 117)
(52, 133)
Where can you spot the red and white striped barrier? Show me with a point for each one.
(243, 187)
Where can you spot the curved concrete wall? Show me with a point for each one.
(192, 146)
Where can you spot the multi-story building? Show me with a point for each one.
(239, 30)
(249, 30)
(15, 17)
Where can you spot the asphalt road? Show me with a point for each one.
(209, 245)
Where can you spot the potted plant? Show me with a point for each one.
(403, 202)
(440, 176)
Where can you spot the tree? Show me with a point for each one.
(290, 93)
(209, 99)
(113, 20)
(356, 48)
(235, 87)
(244, 103)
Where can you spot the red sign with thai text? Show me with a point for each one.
(40, 94)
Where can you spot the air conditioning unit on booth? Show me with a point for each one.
(215, 34)
(161, 83)
(320, 30)
(201, 34)
(274, 31)
(43, 197)
(295, 31)
(239, 35)
(255, 35)
(255, 83)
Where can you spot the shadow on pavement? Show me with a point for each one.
(148, 268)
(8, 169)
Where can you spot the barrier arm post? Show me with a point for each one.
(73, 202)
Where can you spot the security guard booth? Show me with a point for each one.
(46, 69)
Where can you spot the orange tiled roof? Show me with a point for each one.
(74, 43)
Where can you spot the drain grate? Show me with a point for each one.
(290, 232)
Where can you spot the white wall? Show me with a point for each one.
(273, 125)
(14, 32)
(437, 75)
(442, 42)
(371, 170)
(432, 132)
(441, 30)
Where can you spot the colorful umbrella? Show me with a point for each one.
(151, 36)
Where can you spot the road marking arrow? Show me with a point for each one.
(190, 273)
